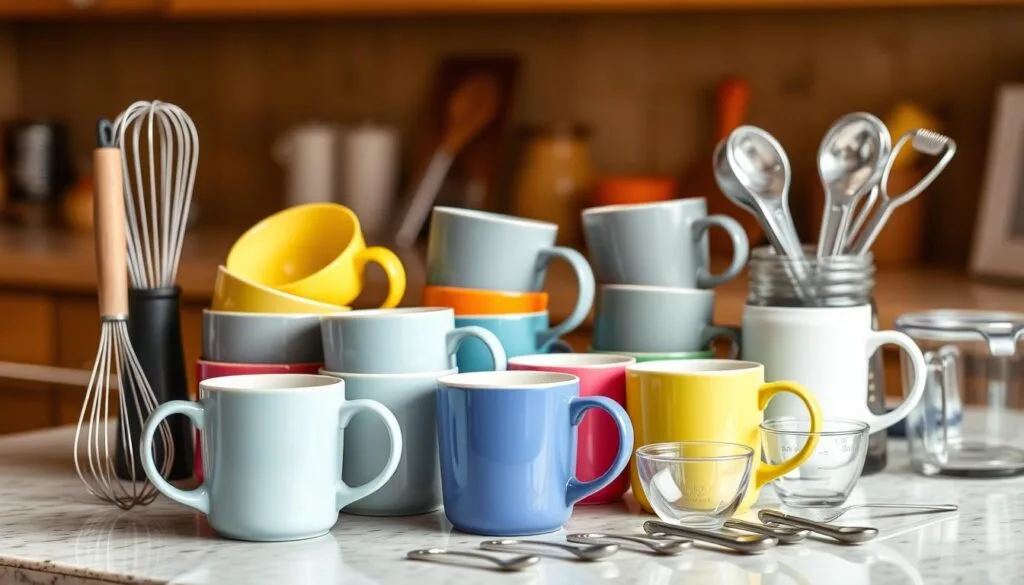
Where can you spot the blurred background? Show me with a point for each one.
(587, 102)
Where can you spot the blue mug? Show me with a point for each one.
(519, 333)
(507, 447)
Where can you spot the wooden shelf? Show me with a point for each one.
(84, 9)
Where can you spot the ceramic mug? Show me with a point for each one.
(659, 244)
(827, 350)
(507, 446)
(642, 357)
(273, 454)
(206, 369)
(598, 438)
(471, 301)
(235, 293)
(709, 400)
(415, 488)
(519, 334)
(315, 251)
(657, 319)
(490, 251)
(408, 340)
(261, 338)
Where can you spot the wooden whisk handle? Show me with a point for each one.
(111, 244)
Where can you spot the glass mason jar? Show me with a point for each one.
(833, 282)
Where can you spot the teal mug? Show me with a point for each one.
(519, 333)
(272, 454)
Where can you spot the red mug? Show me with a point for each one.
(206, 370)
(598, 437)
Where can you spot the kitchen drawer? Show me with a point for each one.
(27, 328)
(25, 406)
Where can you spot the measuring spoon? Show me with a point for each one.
(661, 546)
(745, 543)
(851, 160)
(437, 555)
(785, 534)
(843, 534)
(585, 553)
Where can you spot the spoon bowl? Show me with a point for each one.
(517, 563)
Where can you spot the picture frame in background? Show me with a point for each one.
(998, 248)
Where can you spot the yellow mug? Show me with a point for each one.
(316, 251)
(709, 400)
(234, 293)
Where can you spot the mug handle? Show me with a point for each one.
(454, 338)
(577, 490)
(392, 266)
(766, 472)
(346, 494)
(560, 346)
(740, 249)
(877, 339)
(713, 332)
(584, 281)
(198, 498)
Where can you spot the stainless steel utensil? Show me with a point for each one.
(922, 509)
(851, 159)
(660, 546)
(843, 534)
(593, 552)
(785, 534)
(924, 141)
(745, 543)
(517, 563)
(753, 171)
(863, 212)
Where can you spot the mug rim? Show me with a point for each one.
(579, 360)
(398, 376)
(216, 313)
(384, 312)
(259, 383)
(491, 216)
(508, 380)
(713, 367)
(271, 292)
(613, 207)
(445, 289)
(651, 288)
(504, 316)
(202, 361)
(669, 355)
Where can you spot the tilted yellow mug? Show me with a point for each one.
(315, 251)
(709, 400)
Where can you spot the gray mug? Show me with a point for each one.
(272, 454)
(659, 244)
(409, 340)
(415, 488)
(635, 318)
(261, 338)
(491, 251)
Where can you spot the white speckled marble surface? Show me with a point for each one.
(52, 531)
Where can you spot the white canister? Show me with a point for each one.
(369, 175)
(310, 155)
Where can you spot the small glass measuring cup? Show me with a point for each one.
(826, 479)
(698, 484)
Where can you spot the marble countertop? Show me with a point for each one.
(52, 531)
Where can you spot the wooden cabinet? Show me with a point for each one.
(77, 8)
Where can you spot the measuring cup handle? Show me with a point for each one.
(877, 339)
(766, 472)
(740, 249)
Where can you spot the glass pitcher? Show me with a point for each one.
(966, 423)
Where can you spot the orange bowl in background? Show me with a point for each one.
(619, 190)
(471, 301)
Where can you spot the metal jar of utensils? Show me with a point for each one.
(833, 282)
(975, 381)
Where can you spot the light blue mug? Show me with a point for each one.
(272, 454)
(519, 333)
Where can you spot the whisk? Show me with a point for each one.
(115, 357)
(160, 152)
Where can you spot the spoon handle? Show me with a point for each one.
(506, 544)
(513, 564)
(746, 543)
(654, 544)
(785, 534)
(834, 225)
(843, 534)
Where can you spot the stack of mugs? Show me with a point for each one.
(490, 270)
(655, 300)
(395, 357)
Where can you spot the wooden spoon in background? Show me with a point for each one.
(731, 100)
(471, 107)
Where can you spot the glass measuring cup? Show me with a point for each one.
(964, 424)
(826, 479)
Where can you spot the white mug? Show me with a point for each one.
(827, 350)
(310, 154)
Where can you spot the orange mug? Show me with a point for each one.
(471, 301)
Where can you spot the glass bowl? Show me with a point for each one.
(699, 484)
(826, 479)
